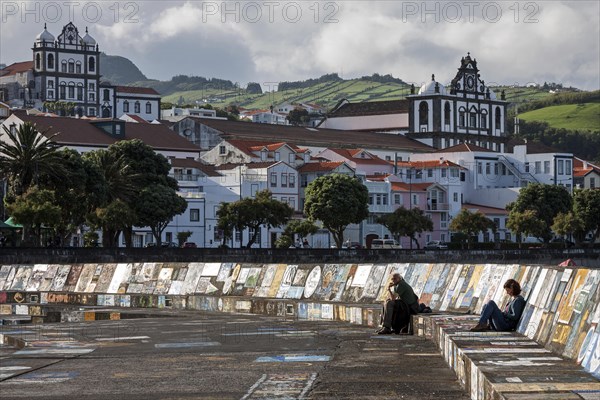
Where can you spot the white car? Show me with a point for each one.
(385, 244)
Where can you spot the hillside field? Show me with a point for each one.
(584, 116)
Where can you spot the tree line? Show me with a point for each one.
(53, 192)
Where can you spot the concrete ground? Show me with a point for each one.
(220, 356)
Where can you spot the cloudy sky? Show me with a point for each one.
(271, 41)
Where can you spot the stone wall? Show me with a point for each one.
(563, 310)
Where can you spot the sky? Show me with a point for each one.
(514, 42)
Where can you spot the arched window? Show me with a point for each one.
(63, 66)
(92, 64)
(50, 60)
(483, 119)
(38, 61)
(71, 88)
(125, 106)
(148, 108)
(136, 107)
(71, 66)
(78, 67)
(447, 112)
(473, 117)
(498, 118)
(62, 91)
(423, 113)
(80, 91)
(106, 95)
(461, 117)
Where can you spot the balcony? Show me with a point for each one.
(434, 206)
(186, 177)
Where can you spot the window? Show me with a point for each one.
(415, 199)
(292, 203)
(397, 198)
(92, 64)
(238, 236)
(447, 113)
(538, 167)
(546, 167)
(496, 169)
(370, 199)
(62, 92)
(63, 66)
(71, 67)
(136, 107)
(92, 112)
(92, 96)
(423, 113)
(488, 168)
(194, 215)
(125, 106)
(473, 120)
(292, 158)
(263, 155)
(38, 61)
(303, 180)
(50, 60)
(50, 94)
(106, 95)
(430, 173)
(444, 172)
(592, 183)
(292, 181)
(455, 197)
(527, 167)
(498, 117)
(78, 67)
(92, 86)
(454, 172)
(222, 150)
(284, 178)
(71, 92)
(568, 165)
(253, 190)
(497, 223)
(277, 156)
(50, 84)
(148, 108)
(483, 121)
(561, 167)
(461, 119)
(80, 93)
(273, 179)
(480, 168)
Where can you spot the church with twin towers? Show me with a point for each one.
(66, 69)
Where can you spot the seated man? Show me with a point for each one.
(401, 298)
(507, 320)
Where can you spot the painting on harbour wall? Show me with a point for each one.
(194, 271)
(339, 284)
(373, 283)
(22, 277)
(36, 278)
(276, 281)
(566, 306)
(328, 273)
(5, 272)
(224, 271)
(312, 281)
(73, 277)
(164, 280)
(105, 278)
(286, 281)
(49, 274)
(91, 286)
(211, 269)
(264, 284)
(449, 290)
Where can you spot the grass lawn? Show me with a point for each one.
(584, 116)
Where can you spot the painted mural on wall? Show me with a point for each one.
(562, 312)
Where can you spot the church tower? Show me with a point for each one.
(66, 69)
(466, 110)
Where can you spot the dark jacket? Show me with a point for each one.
(513, 311)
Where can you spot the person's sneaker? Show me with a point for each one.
(480, 328)
(385, 331)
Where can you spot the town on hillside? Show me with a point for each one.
(447, 150)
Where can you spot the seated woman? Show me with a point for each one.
(507, 320)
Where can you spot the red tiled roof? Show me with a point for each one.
(533, 147)
(580, 170)
(17, 67)
(136, 90)
(209, 170)
(428, 164)
(371, 108)
(256, 165)
(137, 118)
(320, 166)
(408, 187)
(317, 137)
(464, 147)
(351, 154)
(251, 146)
(83, 132)
(485, 209)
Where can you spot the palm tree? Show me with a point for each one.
(25, 154)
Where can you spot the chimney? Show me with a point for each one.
(441, 160)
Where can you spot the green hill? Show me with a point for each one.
(584, 116)
(119, 70)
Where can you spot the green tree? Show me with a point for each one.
(252, 214)
(300, 227)
(113, 218)
(158, 204)
(25, 154)
(182, 237)
(34, 209)
(586, 207)
(546, 200)
(403, 222)
(298, 116)
(566, 224)
(526, 223)
(471, 224)
(337, 200)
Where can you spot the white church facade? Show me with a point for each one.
(66, 70)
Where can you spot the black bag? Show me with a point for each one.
(401, 321)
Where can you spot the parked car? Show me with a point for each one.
(532, 240)
(385, 244)
(436, 245)
(150, 244)
(189, 245)
(563, 241)
(169, 244)
(352, 245)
